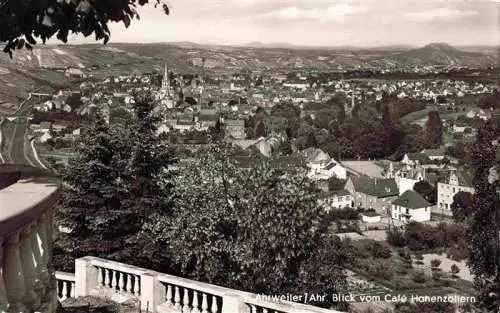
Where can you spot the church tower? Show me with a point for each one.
(165, 84)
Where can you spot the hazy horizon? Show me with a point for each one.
(315, 23)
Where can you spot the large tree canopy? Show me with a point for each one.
(21, 21)
(259, 229)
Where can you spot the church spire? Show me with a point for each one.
(165, 84)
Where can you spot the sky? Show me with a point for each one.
(364, 23)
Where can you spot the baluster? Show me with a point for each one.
(185, 301)
(254, 308)
(13, 274)
(72, 293)
(123, 283)
(117, 281)
(138, 284)
(215, 308)
(100, 279)
(169, 295)
(132, 284)
(107, 280)
(196, 308)
(31, 298)
(264, 310)
(204, 303)
(64, 290)
(177, 298)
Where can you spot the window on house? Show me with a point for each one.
(453, 190)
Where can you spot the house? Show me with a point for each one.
(370, 217)
(75, 73)
(332, 169)
(415, 159)
(336, 199)
(235, 128)
(411, 206)
(316, 158)
(434, 154)
(449, 185)
(373, 193)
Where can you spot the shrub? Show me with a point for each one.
(380, 251)
(436, 275)
(396, 238)
(454, 270)
(419, 277)
(435, 263)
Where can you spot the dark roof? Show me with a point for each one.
(412, 200)
(380, 188)
(420, 157)
(331, 165)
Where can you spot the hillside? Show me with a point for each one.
(442, 54)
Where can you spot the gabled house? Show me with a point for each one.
(316, 158)
(372, 193)
(449, 185)
(411, 206)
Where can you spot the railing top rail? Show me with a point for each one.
(65, 276)
(26, 199)
(194, 285)
(116, 266)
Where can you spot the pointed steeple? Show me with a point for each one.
(166, 81)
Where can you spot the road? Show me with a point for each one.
(15, 142)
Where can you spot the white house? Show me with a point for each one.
(411, 206)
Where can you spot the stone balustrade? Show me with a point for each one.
(161, 293)
(27, 281)
(65, 285)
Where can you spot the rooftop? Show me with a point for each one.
(412, 200)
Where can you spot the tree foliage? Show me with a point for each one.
(426, 190)
(434, 130)
(259, 229)
(115, 181)
(23, 21)
(484, 252)
(462, 206)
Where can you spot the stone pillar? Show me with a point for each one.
(86, 276)
(13, 274)
(3, 292)
(152, 292)
(232, 303)
(31, 299)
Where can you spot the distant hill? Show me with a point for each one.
(442, 54)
